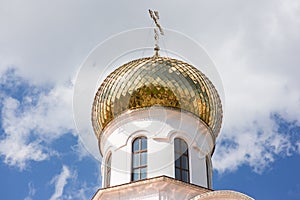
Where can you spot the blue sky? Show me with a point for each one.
(255, 47)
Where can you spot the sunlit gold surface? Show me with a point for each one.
(159, 81)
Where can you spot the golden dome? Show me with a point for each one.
(158, 81)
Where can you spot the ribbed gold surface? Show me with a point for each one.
(154, 81)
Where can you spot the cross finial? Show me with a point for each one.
(155, 16)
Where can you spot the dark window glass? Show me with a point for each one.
(177, 172)
(143, 158)
(143, 173)
(139, 159)
(177, 163)
(177, 145)
(144, 143)
(136, 174)
(183, 146)
(136, 160)
(135, 146)
(184, 163)
(181, 156)
(185, 175)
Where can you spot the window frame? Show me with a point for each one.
(108, 170)
(137, 153)
(181, 160)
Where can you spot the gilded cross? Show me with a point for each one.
(155, 16)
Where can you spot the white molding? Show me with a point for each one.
(183, 119)
(160, 130)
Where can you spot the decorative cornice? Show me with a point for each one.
(142, 183)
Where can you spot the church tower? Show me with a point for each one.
(157, 119)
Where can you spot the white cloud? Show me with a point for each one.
(255, 45)
(298, 146)
(68, 186)
(259, 67)
(31, 122)
(60, 181)
(81, 193)
(81, 150)
(254, 147)
(13, 147)
(31, 191)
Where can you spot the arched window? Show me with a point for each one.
(139, 159)
(181, 160)
(108, 170)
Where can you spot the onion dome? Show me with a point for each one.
(156, 81)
